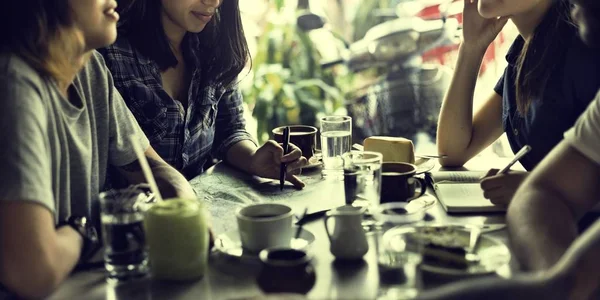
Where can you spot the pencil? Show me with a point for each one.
(518, 156)
(283, 166)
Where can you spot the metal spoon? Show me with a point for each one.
(431, 155)
(474, 236)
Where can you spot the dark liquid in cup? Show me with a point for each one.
(125, 241)
(265, 216)
(395, 211)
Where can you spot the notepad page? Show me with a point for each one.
(464, 197)
(458, 176)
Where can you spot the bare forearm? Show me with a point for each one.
(541, 227)
(170, 182)
(69, 245)
(455, 125)
(240, 155)
(520, 287)
(45, 268)
(580, 264)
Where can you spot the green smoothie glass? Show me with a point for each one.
(177, 236)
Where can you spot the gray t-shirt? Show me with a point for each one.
(54, 151)
(585, 135)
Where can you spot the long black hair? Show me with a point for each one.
(223, 50)
(535, 65)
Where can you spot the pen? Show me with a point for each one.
(283, 167)
(518, 156)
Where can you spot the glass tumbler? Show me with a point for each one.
(336, 140)
(122, 215)
(362, 178)
(399, 254)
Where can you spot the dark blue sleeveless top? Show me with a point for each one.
(574, 81)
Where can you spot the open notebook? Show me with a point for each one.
(460, 192)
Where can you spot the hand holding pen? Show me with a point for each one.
(272, 161)
(499, 185)
(283, 166)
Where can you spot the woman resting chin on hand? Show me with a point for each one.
(550, 79)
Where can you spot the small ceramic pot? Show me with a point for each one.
(286, 270)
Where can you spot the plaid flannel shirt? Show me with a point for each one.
(184, 137)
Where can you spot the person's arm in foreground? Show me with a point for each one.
(574, 277)
(39, 257)
(35, 258)
(543, 215)
(461, 135)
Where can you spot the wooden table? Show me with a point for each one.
(226, 280)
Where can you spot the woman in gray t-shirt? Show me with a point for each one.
(62, 123)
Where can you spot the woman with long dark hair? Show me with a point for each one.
(550, 79)
(176, 64)
(62, 124)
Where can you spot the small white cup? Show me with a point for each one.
(265, 225)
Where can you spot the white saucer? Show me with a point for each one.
(229, 244)
(424, 164)
(313, 162)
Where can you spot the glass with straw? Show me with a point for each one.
(176, 232)
(122, 215)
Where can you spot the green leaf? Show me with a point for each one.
(279, 4)
(329, 90)
(308, 98)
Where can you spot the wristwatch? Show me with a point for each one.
(91, 242)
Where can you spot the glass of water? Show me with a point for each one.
(122, 215)
(362, 178)
(399, 254)
(336, 139)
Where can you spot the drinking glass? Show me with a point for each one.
(336, 139)
(362, 178)
(122, 215)
(399, 253)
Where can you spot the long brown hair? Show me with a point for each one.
(535, 65)
(224, 51)
(42, 33)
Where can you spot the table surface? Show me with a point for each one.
(225, 190)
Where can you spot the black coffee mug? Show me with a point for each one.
(286, 270)
(305, 137)
(398, 182)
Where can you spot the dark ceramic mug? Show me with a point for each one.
(305, 137)
(286, 270)
(398, 182)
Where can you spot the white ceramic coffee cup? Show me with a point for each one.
(265, 225)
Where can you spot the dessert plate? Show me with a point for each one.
(494, 256)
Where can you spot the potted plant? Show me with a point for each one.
(288, 85)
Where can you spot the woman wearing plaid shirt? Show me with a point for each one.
(176, 64)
